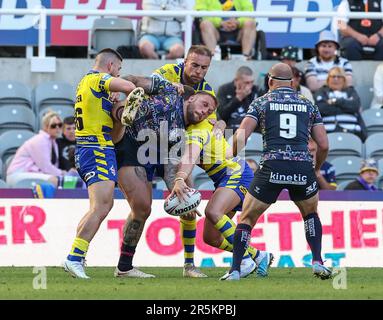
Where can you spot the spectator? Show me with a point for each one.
(327, 178)
(326, 57)
(217, 29)
(361, 38)
(297, 78)
(377, 101)
(252, 164)
(161, 33)
(38, 156)
(235, 97)
(367, 176)
(66, 143)
(339, 105)
(290, 56)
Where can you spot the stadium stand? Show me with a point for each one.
(62, 110)
(14, 92)
(200, 179)
(373, 119)
(110, 33)
(30, 183)
(340, 186)
(16, 117)
(374, 146)
(344, 144)
(380, 179)
(11, 140)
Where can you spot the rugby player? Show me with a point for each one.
(163, 115)
(286, 120)
(95, 156)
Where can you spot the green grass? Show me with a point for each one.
(282, 283)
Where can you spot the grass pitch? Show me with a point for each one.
(282, 283)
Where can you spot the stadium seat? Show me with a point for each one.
(344, 144)
(346, 168)
(254, 146)
(14, 92)
(160, 184)
(340, 186)
(1, 169)
(53, 93)
(16, 117)
(373, 119)
(11, 140)
(365, 92)
(6, 164)
(207, 185)
(3, 184)
(110, 33)
(374, 146)
(62, 110)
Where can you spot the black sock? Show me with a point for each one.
(313, 229)
(242, 237)
(126, 257)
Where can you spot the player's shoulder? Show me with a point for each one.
(172, 68)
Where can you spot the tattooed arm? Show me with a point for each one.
(151, 85)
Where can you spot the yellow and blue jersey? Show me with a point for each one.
(233, 173)
(93, 110)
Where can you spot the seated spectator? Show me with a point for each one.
(290, 56)
(317, 68)
(327, 178)
(235, 97)
(252, 164)
(161, 33)
(367, 176)
(217, 29)
(339, 105)
(361, 38)
(377, 101)
(66, 143)
(297, 78)
(38, 156)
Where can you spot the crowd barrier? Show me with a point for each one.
(39, 232)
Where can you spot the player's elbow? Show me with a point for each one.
(129, 87)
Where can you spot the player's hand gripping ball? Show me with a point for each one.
(175, 207)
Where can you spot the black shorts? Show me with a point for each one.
(298, 177)
(127, 156)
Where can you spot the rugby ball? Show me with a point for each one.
(175, 207)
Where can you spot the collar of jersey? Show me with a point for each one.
(92, 71)
(284, 89)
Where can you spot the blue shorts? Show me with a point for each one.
(96, 164)
(161, 42)
(238, 182)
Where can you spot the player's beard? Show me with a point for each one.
(191, 117)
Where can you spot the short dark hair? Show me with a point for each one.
(110, 50)
(244, 70)
(201, 50)
(69, 120)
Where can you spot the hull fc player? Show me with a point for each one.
(286, 120)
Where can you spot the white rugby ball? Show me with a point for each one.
(175, 207)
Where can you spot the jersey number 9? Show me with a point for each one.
(288, 125)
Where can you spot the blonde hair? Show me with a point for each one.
(339, 71)
(47, 117)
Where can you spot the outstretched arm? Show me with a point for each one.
(151, 85)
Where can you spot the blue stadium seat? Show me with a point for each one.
(207, 185)
(14, 92)
(374, 146)
(16, 117)
(53, 93)
(346, 168)
(343, 184)
(11, 140)
(110, 33)
(373, 119)
(344, 144)
(62, 110)
(254, 146)
(3, 184)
